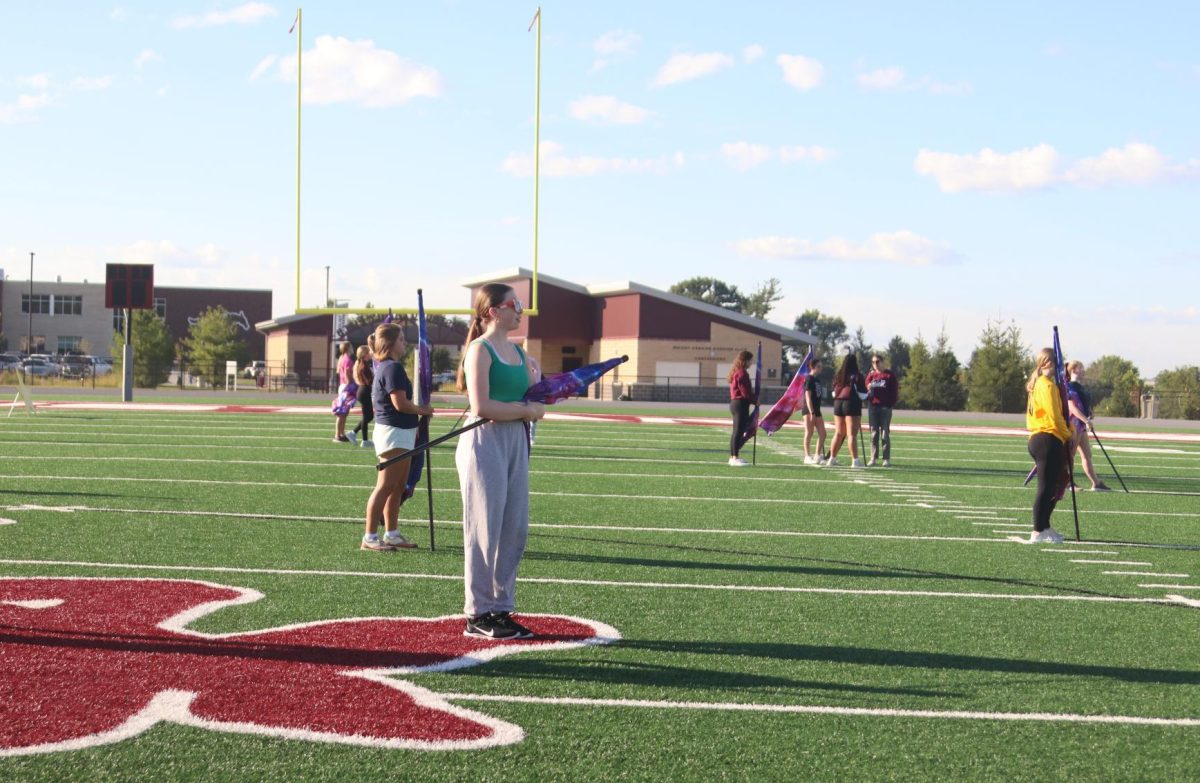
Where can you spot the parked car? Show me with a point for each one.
(101, 366)
(76, 367)
(444, 377)
(10, 361)
(39, 367)
(254, 368)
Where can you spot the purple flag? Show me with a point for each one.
(568, 384)
(423, 390)
(792, 399)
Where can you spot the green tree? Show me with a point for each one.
(897, 355)
(829, 330)
(440, 361)
(711, 291)
(1178, 392)
(1000, 366)
(1115, 386)
(153, 351)
(932, 381)
(760, 303)
(212, 341)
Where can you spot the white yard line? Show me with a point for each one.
(814, 709)
(1146, 573)
(638, 585)
(1115, 562)
(1172, 587)
(1081, 551)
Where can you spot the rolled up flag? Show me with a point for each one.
(558, 387)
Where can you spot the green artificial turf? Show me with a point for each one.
(779, 584)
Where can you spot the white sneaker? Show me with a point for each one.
(1047, 536)
(857, 463)
(832, 462)
(887, 463)
(822, 460)
(870, 463)
(810, 460)
(366, 444)
(737, 462)
(350, 436)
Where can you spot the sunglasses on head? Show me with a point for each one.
(514, 304)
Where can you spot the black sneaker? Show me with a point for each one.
(488, 626)
(506, 620)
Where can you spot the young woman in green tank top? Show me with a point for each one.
(493, 463)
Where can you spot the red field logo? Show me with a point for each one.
(85, 662)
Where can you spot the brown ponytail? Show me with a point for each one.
(488, 296)
(1045, 359)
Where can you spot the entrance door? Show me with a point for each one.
(303, 366)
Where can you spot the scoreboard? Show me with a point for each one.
(129, 285)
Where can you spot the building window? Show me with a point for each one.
(39, 343)
(70, 344)
(68, 305)
(160, 306)
(41, 304)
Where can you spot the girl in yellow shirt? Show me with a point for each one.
(1048, 436)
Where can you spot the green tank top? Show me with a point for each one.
(506, 382)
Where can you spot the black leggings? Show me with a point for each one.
(741, 417)
(1048, 452)
(368, 413)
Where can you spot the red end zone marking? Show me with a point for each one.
(246, 409)
(114, 656)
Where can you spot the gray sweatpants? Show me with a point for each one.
(880, 419)
(493, 470)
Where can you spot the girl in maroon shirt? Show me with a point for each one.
(740, 397)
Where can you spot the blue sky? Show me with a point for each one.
(906, 166)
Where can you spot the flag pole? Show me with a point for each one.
(299, 26)
(1110, 462)
(429, 491)
(1071, 478)
(537, 150)
(426, 446)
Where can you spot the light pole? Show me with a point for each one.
(326, 287)
(29, 337)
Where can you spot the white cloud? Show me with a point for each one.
(37, 81)
(554, 163)
(894, 79)
(263, 66)
(1039, 167)
(118, 14)
(803, 73)
(1134, 162)
(1033, 167)
(752, 53)
(614, 46)
(744, 156)
(679, 159)
(340, 70)
(24, 109)
(685, 67)
(802, 154)
(898, 247)
(248, 13)
(89, 83)
(607, 109)
(882, 78)
(145, 57)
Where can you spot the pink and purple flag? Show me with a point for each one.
(792, 399)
